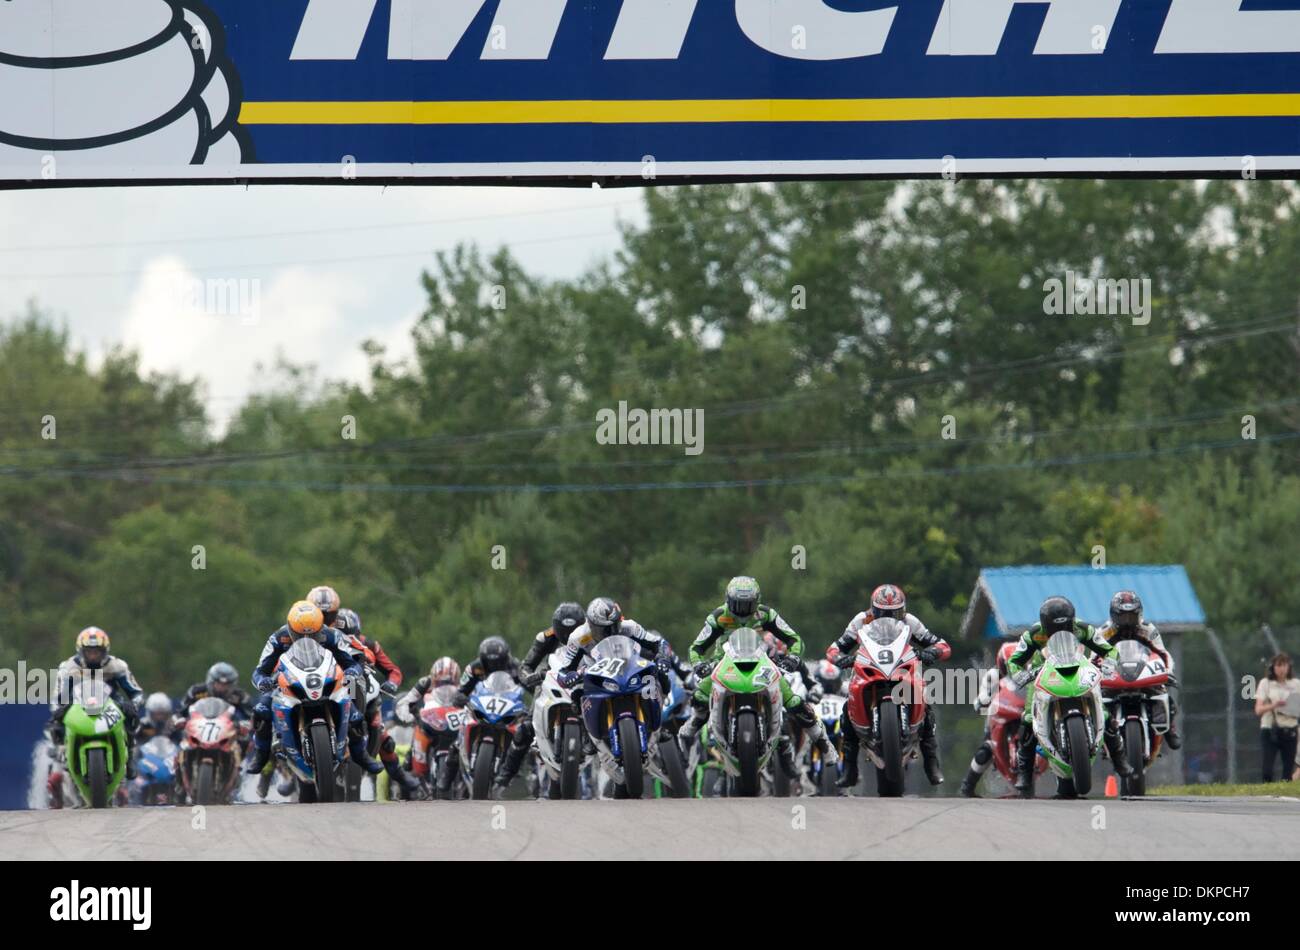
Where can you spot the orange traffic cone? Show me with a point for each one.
(1112, 787)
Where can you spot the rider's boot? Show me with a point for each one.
(1026, 752)
(785, 756)
(1115, 749)
(806, 717)
(699, 716)
(261, 746)
(1172, 738)
(850, 777)
(930, 748)
(361, 755)
(510, 765)
(979, 764)
(399, 775)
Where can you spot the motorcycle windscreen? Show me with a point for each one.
(306, 654)
(442, 696)
(1063, 650)
(210, 708)
(159, 747)
(91, 694)
(1132, 659)
(615, 648)
(884, 631)
(745, 644)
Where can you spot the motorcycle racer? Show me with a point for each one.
(371, 654)
(1126, 623)
(222, 681)
(92, 658)
(888, 600)
(1056, 615)
(568, 617)
(304, 620)
(742, 608)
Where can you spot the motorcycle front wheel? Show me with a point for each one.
(674, 768)
(484, 767)
(205, 783)
(1080, 759)
(891, 750)
(97, 778)
(1133, 743)
(322, 752)
(747, 754)
(629, 740)
(570, 761)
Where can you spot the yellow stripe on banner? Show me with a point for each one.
(637, 111)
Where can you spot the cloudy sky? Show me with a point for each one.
(322, 269)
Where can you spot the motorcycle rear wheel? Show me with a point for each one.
(675, 768)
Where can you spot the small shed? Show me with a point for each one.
(1006, 599)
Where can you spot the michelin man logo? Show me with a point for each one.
(116, 83)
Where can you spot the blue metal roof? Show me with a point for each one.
(1013, 594)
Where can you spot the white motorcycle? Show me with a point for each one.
(557, 724)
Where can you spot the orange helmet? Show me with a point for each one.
(327, 599)
(305, 619)
(96, 641)
(445, 671)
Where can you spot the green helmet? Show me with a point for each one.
(742, 597)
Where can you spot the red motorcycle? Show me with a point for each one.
(210, 752)
(433, 747)
(1136, 695)
(1004, 714)
(887, 700)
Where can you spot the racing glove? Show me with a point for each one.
(703, 669)
(928, 654)
(388, 688)
(534, 679)
(789, 662)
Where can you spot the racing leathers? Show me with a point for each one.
(931, 648)
(1022, 665)
(371, 655)
(707, 649)
(1148, 635)
(277, 644)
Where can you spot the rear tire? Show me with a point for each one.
(322, 754)
(97, 778)
(484, 768)
(747, 754)
(891, 750)
(1133, 743)
(826, 787)
(629, 741)
(204, 783)
(1080, 759)
(570, 761)
(674, 768)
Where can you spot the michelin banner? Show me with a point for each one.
(637, 90)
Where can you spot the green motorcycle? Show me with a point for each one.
(745, 709)
(1068, 711)
(94, 745)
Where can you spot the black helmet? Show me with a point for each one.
(349, 622)
(604, 618)
(221, 673)
(567, 618)
(1126, 609)
(494, 654)
(1056, 614)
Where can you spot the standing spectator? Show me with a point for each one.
(1277, 729)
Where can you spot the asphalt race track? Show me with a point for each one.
(841, 828)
